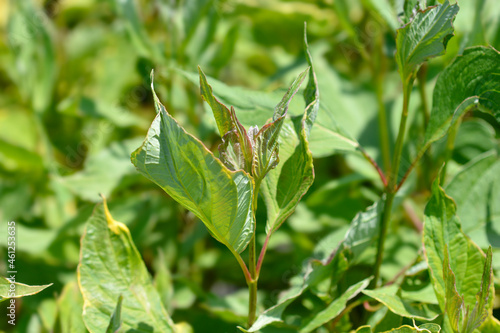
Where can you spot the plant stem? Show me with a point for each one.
(252, 264)
(374, 164)
(386, 216)
(252, 286)
(241, 262)
(391, 188)
(398, 149)
(252, 305)
(382, 115)
(383, 128)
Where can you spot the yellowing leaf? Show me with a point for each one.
(15, 289)
(110, 266)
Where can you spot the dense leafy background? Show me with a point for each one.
(75, 102)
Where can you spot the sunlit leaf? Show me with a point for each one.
(184, 168)
(423, 37)
(252, 107)
(236, 150)
(491, 325)
(335, 307)
(284, 187)
(266, 146)
(390, 297)
(221, 113)
(20, 289)
(456, 264)
(110, 266)
(471, 81)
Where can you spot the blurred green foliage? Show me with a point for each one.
(75, 102)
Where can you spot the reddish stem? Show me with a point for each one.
(375, 165)
(262, 254)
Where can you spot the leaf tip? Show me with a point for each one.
(112, 224)
(152, 78)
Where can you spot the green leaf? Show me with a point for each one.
(20, 289)
(328, 136)
(456, 264)
(363, 231)
(115, 321)
(253, 107)
(274, 313)
(491, 325)
(410, 9)
(475, 136)
(391, 298)
(423, 37)
(283, 187)
(471, 81)
(475, 190)
(110, 266)
(311, 93)
(461, 317)
(236, 150)
(336, 110)
(480, 312)
(221, 113)
(266, 147)
(184, 168)
(335, 307)
(257, 151)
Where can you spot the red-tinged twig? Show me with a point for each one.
(375, 165)
(262, 254)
